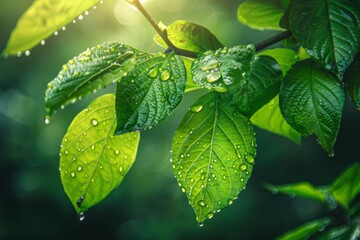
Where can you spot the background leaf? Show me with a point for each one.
(312, 100)
(213, 155)
(352, 79)
(329, 30)
(93, 161)
(339, 233)
(150, 92)
(190, 36)
(262, 14)
(347, 186)
(41, 20)
(91, 70)
(190, 85)
(284, 56)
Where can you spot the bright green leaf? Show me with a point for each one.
(347, 186)
(303, 54)
(305, 231)
(190, 85)
(302, 189)
(150, 92)
(41, 20)
(91, 70)
(223, 69)
(269, 117)
(190, 36)
(284, 56)
(312, 100)
(352, 79)
(328, 30)
(93, 161)
(213, 155)
(261, 85)
(262, 14)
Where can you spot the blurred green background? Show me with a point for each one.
(149, 203)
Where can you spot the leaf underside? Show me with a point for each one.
(93, 161)
(213, 155)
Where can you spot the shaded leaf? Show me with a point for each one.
(41, 20)
(223, 69)
(150, 92)
(284, 56)
(270, 118)
(305, 231)
(213, 155)
(312, 100)
(93, 161)
(260, 85)
(190, 36)
(262, 14)
(339, 233)
(347, 186)
(352, 79)
(302, 189)
(328, 30)
(91, 70)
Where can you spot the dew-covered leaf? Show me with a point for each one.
(260, 85)
(93, 161)
(262, 14)
(329, 30)
(305, 231)
(352, 79)
(347, 186)
(312, 100)
(270, 118)
(284, 56)
(150, 92)
(41, 20)
(223, 69)
(213, 154)
(301, 189)
(190, 36)
(91, 70)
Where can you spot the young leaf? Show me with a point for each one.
(269, 117)
(223, 69)
(190, 85)
(328, 30)
(284, 56)
(213, 154)
(347, 186)
(352, 79)
(190, 36)
(262, 14)
(302, 189)
(150, 92)
(305, 231)
(93, 161)
(312, 100)
(93, 69)
(41, 20)
(260, 85)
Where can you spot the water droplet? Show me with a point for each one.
(42, 42)
(66, 152)
(165, 75)
(79, 168)
(238, 154)
(210, 66)
(81, 216)
(220, 88)
(243, 167)
(117, 152)
(213, 77)
(250, 159)
(19, 54)
(183, 190)
(80, 200)
(153, 72)
(72, 174)
(86, 12)
(201, 224)
(27, 53)
(121, 169)
(209, 215)
(94, 122)
(331, 154)
(196, 108)
(71, 62)
(47, 120)
(81, 17)
(201, 203)
(56, 33)
(274, 191)
(74, 21)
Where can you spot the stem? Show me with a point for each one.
(275, 39)
(162, 33)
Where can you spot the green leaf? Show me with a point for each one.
(312, 100)
(213, 155)
(302, 189)
(93, 69)
(284, 56)
(261, 85)
(352, 79)
(150, 92)
(269, 117)
(339, 233)
(262, 14)
(347, 186)
(190, 36)
(93, 161)
(41, 20)
(328, 30)
(223, 69)
(190, 85)
(305, 231)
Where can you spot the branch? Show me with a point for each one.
(275, 39)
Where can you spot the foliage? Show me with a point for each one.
(291, 93)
